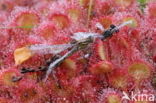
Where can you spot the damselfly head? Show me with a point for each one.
(112, 26)
(114, 29)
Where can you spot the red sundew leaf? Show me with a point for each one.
(139, 71)
(28, 94)
(102, 50)
(105, 21)
(104, 7)
(69, 64)
(8, 60)
(74, 14)
(28, 91)
(113, 98)
(123, 43)
(67, 69)
(7, 76)
(135, 22)
(77, 82)
(101, 68)
(3, 18)
(84, 3)
(27, 20)
(4, 39)
(124, 3)
(25, 2)
(49, 86)
(151, 10)
(58, 92)
(64, 93)
(86, 87)
(151, 49)
(60, 20)
(7, 5)
(42, 7)
(110, 95)
(119, 79)
(135, 34)
(120, 42)
(4, 100)
(46, 30)
(6, 92)
(119, 47)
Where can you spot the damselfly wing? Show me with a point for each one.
(79, 36)
(49, 49)
(25, 53)
(56, 49)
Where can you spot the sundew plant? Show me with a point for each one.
(77, 51)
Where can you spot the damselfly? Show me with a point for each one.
(82, 40)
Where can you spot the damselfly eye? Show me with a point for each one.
(112, 26)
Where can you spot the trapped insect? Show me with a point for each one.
(81, 41)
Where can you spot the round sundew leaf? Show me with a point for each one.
(46, 30)
(60, 20)
(105, 8)
(74, 14)
(101, 50)
(69, 64)
(105, 21)
(119, 79)
(113, 98)
(68, 69)
(152, 10)
(28, 91)
(134, 21)
(123, 42)
(124, 3)
(27, 20)
(28, 94)
(7, 78)
(119, 82)
(4, 100)
(84, 3)
(47, 33)
(22, 54)
(101, 68)
(139, 71)
(6, 5)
